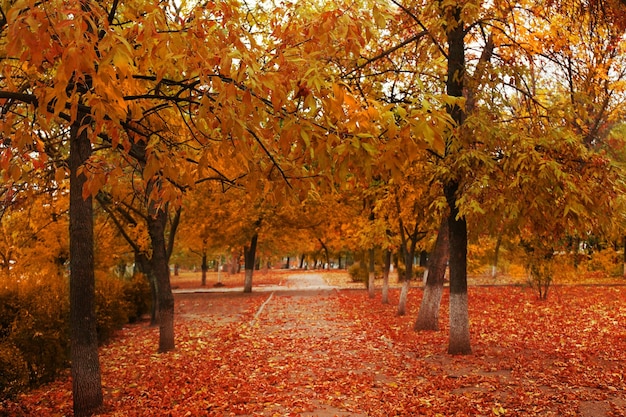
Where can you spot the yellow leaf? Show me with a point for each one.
(380, 20)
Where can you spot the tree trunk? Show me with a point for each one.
(496, 255)
(144, 265)
(86, 379)
(408, 274)
(404, 295)
(428, 316)
(624, 257)
(326, 253)
(205, 268)
(386, 269)
(372, 274)
(157, 218)
(459, 342)
(249, 255)
(302, 261)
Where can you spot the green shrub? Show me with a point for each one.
(13, 371)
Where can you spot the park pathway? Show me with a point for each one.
(301, 348)
(311, 359)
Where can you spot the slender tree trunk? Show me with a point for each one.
(326, 253)
(249, 255)
(302, 261)
(404, 295)
(496, 255)
(624, 257)
(428, 316)
(372, 274)
(157, 220)
(205, 268)
(144, 265)
(386, 269)
(459, 342)
(408, 252)
(86, 379)
(408, 274)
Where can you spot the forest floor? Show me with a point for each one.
(302, 345)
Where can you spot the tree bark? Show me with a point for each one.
(86, 379)
(157, 219)
(372, 274)
(249, 255)
(459, 341)
(408, 274)
(624, 257)
(496, 255)
(144, 265)
(404, 295)
(408, 252)
(428, 316)
(205, 268)
(386, 268)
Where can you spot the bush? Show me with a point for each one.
(112, 306)
(138, 297)
(34, 325)
(13, 371)
(608, 261)
(358, 272)
(9, 309)
(40, 330)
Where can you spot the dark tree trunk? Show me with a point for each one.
(287, 264)
(428, 316)
(86, 379)
(249, 255)
(408, 253)
(386, 268)
(423, 261)
(459, 341)
(157, 220)
(371, 274)
(144, 265)
(302, 261)
(205, 268)
(326, 253)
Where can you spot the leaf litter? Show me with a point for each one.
(339, 353)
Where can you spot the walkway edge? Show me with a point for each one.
(260, 310)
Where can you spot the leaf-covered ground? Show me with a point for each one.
(339, 353)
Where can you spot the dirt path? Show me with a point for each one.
(302, 331)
